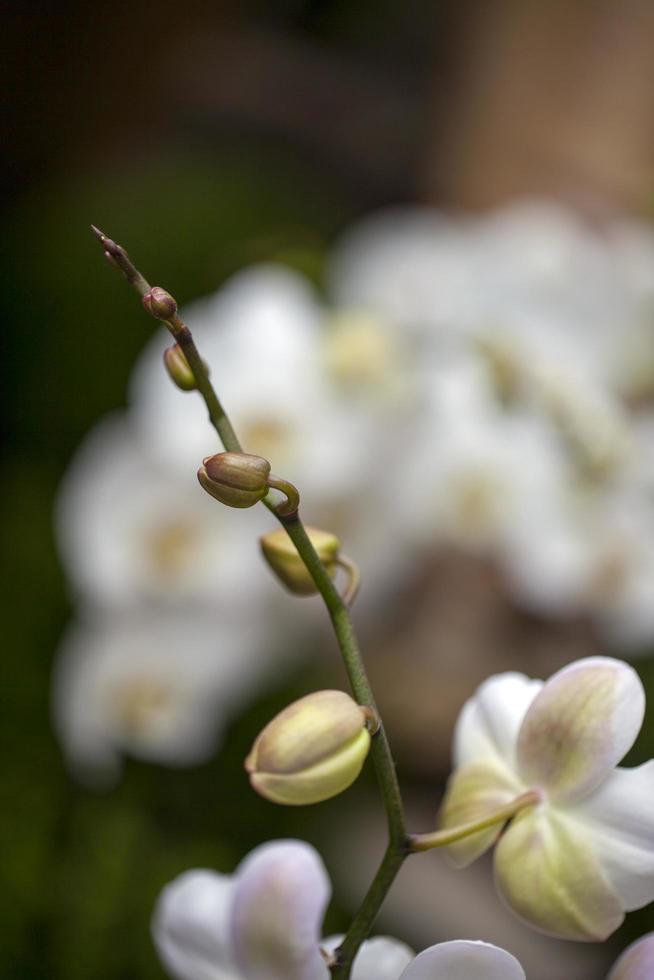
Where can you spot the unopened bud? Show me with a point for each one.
(160, 304)
(313, 750)
(179, 369)
(285, 561)
(236, 479)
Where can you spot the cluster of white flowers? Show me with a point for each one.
(483, 382)
(535, 369)
(570, 863)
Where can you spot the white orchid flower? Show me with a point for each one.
(572, 863)
(159, 688)
(263, 923)
(132, 532)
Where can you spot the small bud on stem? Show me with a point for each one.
(235, 479)
(242, 480)
(312, 750)
(160, 304)
(285, 561)
(178, 368)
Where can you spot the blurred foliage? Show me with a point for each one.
(81, 870)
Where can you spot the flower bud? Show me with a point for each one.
(285, 561)
(160, 304)
(236, 479)
(178, 368)
(312, 750)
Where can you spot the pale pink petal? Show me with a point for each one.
(547, 872)
(190, 927)
(637, 961)
(281, 891)
(580, 725)
(489, 722)
(464, 960)
(381, 958)
(620, 820)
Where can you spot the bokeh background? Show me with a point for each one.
(207, 137)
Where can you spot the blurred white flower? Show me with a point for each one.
(132, 531)
(157, 687)
(410, 266)
(470, 471)
(263, 923)
(572, 864)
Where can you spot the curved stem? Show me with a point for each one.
(289, 506)
(353, 578)
(449, 835)
(342, 624)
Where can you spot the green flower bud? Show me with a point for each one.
(312, 750)
(236, 479)
(160, 304)
(179, 369)
(282, 556)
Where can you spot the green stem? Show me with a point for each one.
(347, 641)
(449, 835)
(217, 414)
(365, 918)
(339, 615)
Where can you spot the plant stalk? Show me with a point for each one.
(342, 624)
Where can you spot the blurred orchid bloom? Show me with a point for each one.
(637, 961)
(572, 864)
(263, 923)
(159, 688)
(132, 532)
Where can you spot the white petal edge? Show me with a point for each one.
(619, 817)
(380, 958)
(464, 960)
(190, 927)
(280, 895)
(490, 720)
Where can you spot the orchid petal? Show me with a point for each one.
(637, 961)
(472, 792)
(190, 927)
(549, 876)
(381, 958)
(580, 725)
(620, 818)
(281, 891)
(464, 960)
(489, 722)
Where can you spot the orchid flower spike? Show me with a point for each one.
(263, 923)
(582, 853)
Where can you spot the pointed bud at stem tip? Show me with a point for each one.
(313, 750)
(285, 561)
(179, 369)
(160, 304)
(242, 480)
(441, 838)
